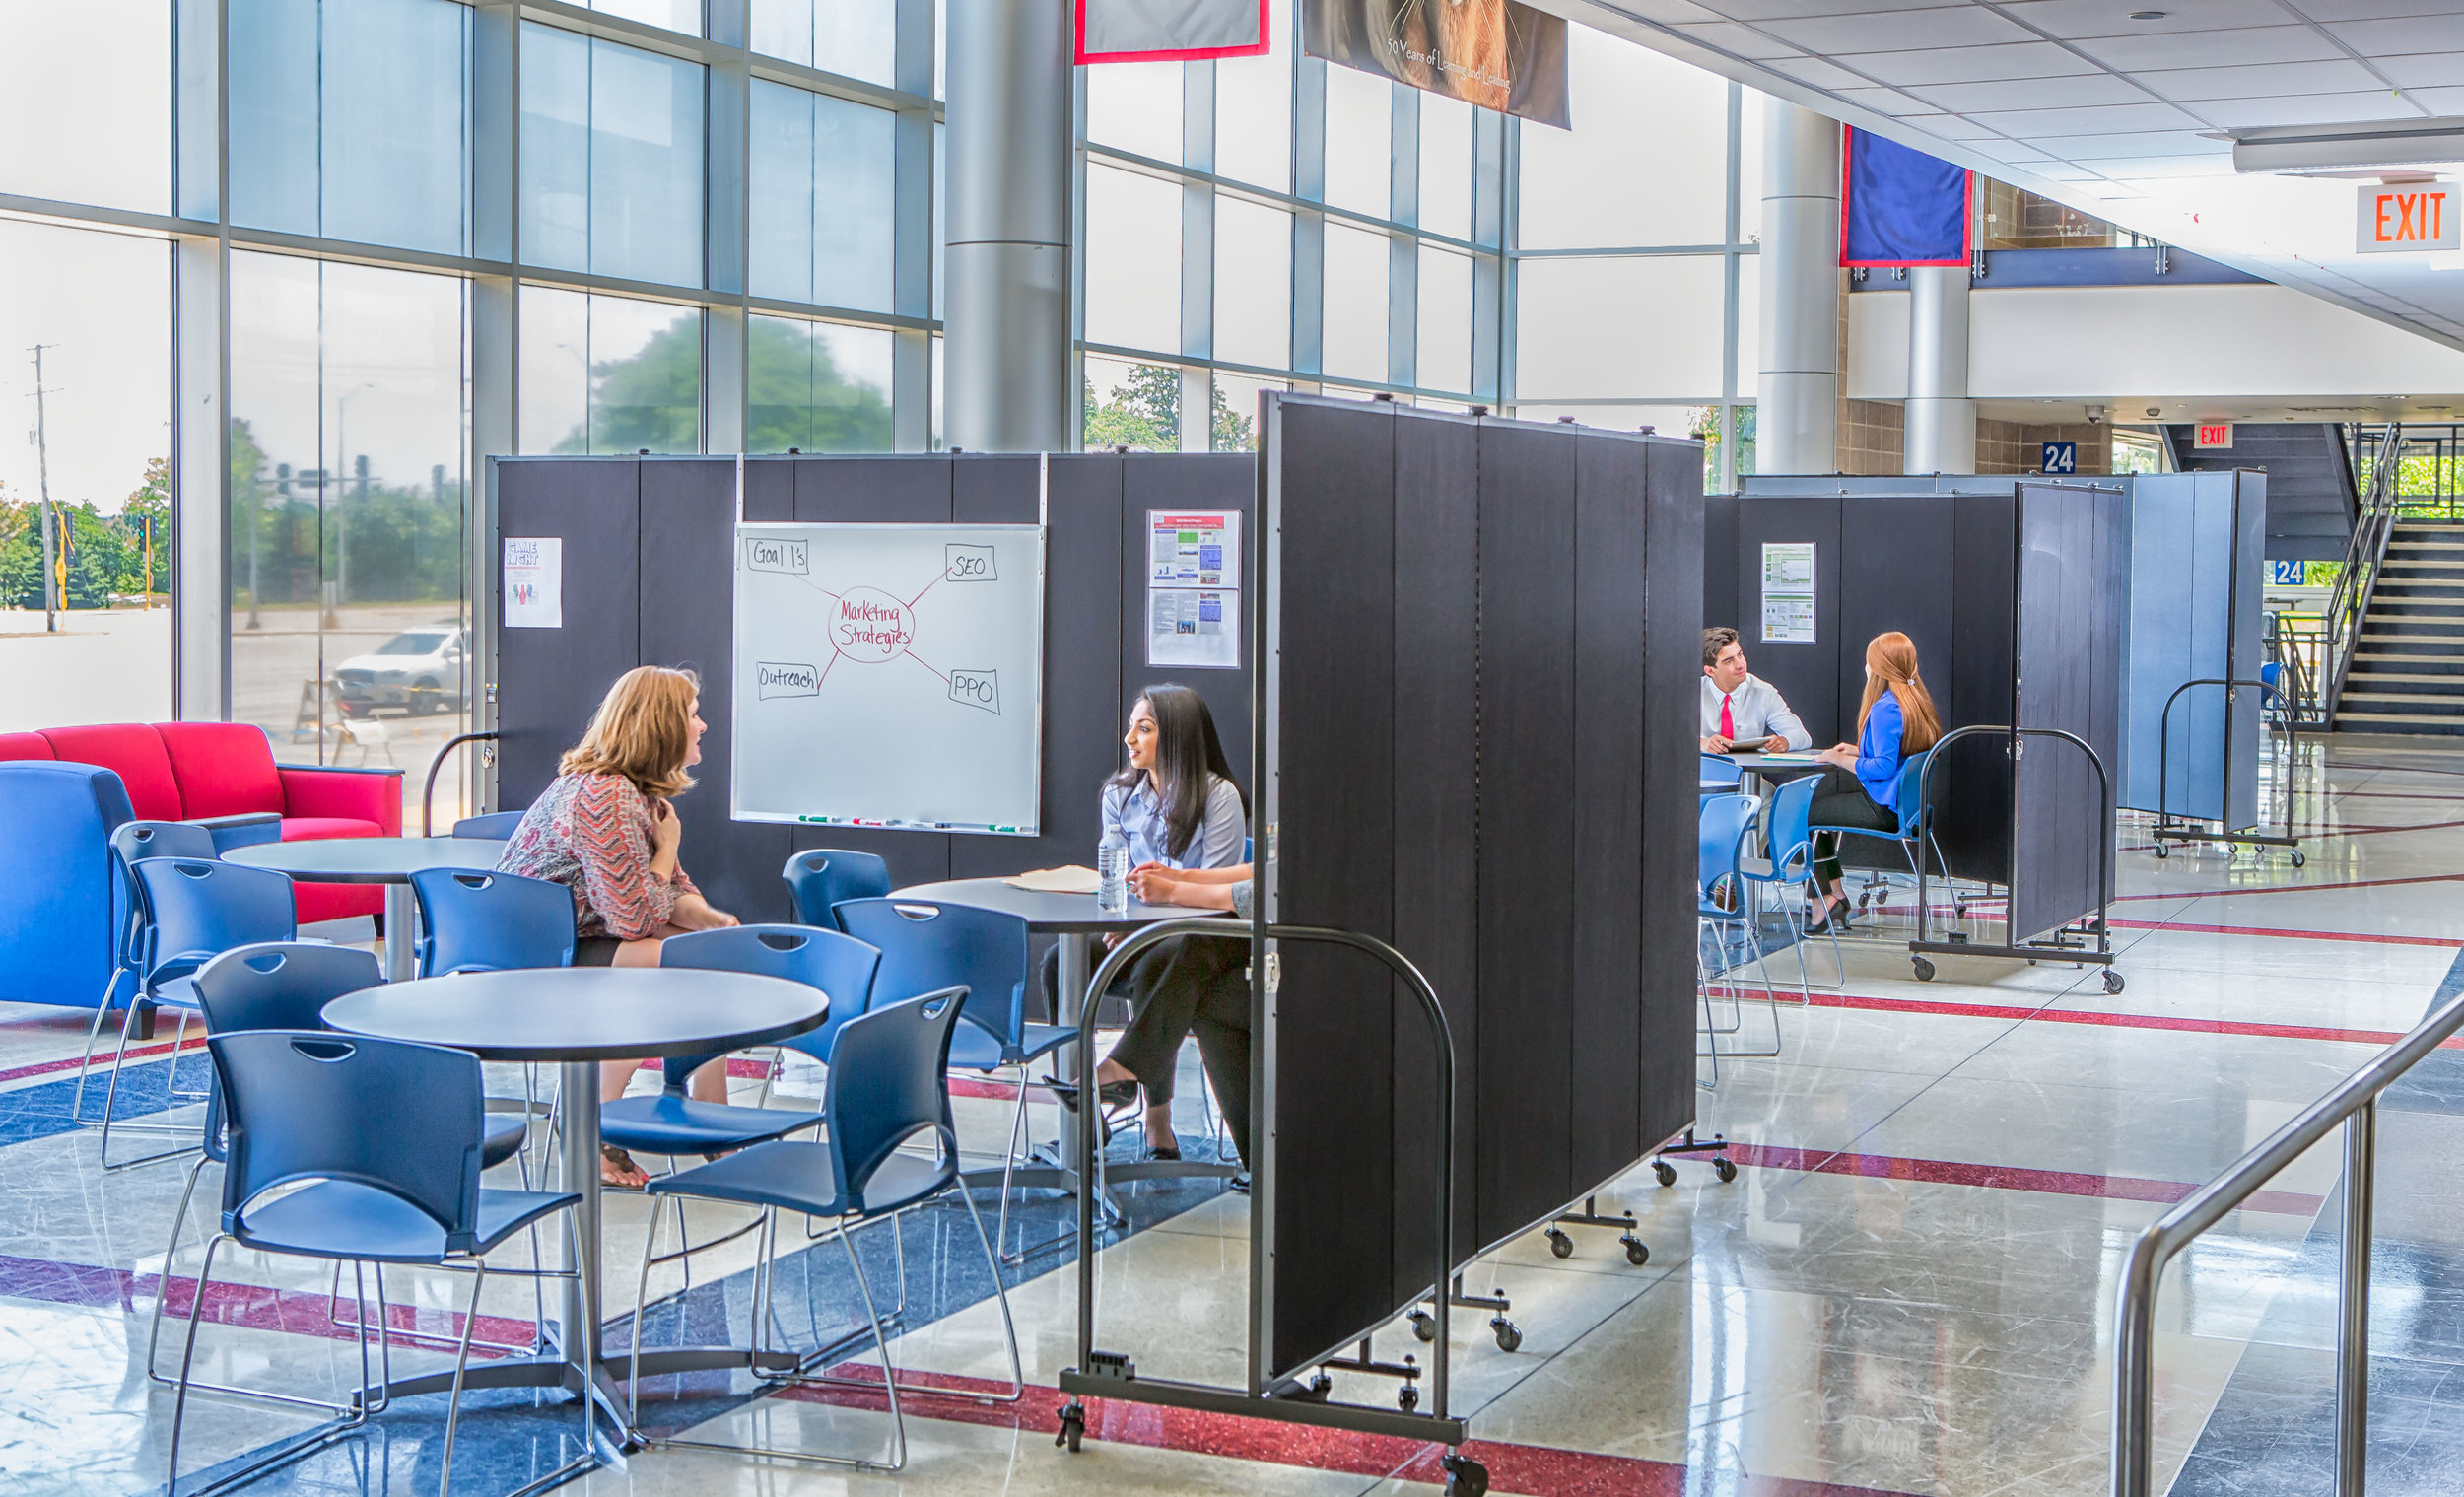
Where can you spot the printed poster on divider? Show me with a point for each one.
(1194, 589)
(1788, 594)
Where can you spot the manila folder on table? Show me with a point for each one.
(1067, 880)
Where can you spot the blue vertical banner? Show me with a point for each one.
(1899, 206)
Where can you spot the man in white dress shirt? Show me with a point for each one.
(1741, 710)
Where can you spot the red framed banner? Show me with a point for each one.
(1171, 31)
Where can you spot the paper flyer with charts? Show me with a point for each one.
(1788, 594)
(889, 676)
(1194, 589)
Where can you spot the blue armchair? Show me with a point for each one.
(62, 926)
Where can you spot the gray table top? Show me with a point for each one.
(368, 860)
(584, 1013)
(1045, 914)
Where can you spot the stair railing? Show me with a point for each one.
(2348, 607)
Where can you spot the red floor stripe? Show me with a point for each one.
(2290, 935)
(102, 1060)
(1536, 1469)
(2018, 1014)
(2003, 1177)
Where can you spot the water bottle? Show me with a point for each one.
(1112, 867)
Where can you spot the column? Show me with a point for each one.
(1941, 419)
(1006, 310)
(1797, 420)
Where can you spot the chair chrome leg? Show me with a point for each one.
(1000, 1292)
(889, 1369)
(163, 1284)
(1009, 1156)
(94, 1033)
(461, 1361)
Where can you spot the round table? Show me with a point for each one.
(387, 861)
(1075, 918)
(577, 1017)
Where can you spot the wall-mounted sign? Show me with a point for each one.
(1788, 594)
(2403, 217)
(2282, 574)
(2061, 457)
(2213, 435)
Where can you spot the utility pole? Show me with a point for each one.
(43, 458)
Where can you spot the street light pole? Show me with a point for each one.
(43, 460)
(342, 525)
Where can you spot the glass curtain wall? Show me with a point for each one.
(1279, 223)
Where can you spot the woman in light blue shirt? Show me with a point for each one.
(1862, 786)
(1178, 807)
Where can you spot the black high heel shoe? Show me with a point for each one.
(1835, 915)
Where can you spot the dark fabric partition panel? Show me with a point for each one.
(1334, 1202)
(2073, 592)
(550, 680)
(1496, 789)
(1176, 481)
(1896, 572)
(688, 567)
(1807, 674)
(1719, 568)
(1436, 777)
(1974, 819)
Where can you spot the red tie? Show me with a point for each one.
(1728, 724)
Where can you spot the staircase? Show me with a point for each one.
(2408, 666)
(2312, 500)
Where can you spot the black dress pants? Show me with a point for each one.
(1189, 986)
(1842, 801)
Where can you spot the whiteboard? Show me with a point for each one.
(890, 676)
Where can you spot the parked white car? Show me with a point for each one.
(420, 669)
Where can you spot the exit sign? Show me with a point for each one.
(2409, 216)
(2214, 433)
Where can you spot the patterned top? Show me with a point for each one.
(592, 832)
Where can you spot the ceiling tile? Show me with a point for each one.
(1820, 74)
(2151, 167)
(2425, 70)
(2015, 152)
(2249, 43)
(1669, 11)
(1781, 10)
(2139, 143)
(1738, 41)
(2448, 100)
(1968, 64)
(2304, 109)
(2035, 93)
(2104, 119)
(2265, 80)
(2397, 38)
(1883, 101)
(2371, 10)
(2112, 18)
(1950, 26)
(1960, 128)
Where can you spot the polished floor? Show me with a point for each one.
(1908, 1287)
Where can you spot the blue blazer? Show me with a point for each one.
(1877, 752)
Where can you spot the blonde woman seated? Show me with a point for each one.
(608, 831)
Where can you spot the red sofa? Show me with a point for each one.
(225, 774)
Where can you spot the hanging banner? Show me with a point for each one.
(1899, 206)
(1171, 31)
(1498, 55)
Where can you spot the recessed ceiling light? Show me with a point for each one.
(2148, 14)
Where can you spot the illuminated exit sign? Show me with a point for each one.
(2214, 433)
(2410, 216)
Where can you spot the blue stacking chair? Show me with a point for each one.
(1720, 769)
(495, 825)
(477, 919)
(1724, 911)
(195, 909)
(889, 1084)
(925, 947)
(1788, 837)
(131, 841)
(821, 880)
(382, 1140)
(1915, 832)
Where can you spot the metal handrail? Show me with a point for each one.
(2348, 607)
(2355, 1106)
(428, 792)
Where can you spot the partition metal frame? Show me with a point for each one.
(2055, 948)
(1114, 1375)
(2169, 830)
(2355, 1106)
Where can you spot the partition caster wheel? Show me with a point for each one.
(1509, 1336)
(1725, 1170)
(1406, 1398)
(1072, 1427)
(1635, 1251)
(2297, 858)
(1321, 1384)
(1664, 1171)
(2113, 981)
(1424, 1324)
(2160, 850)
(1560, 1245)
(1924, 968)
(1465, 1477)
